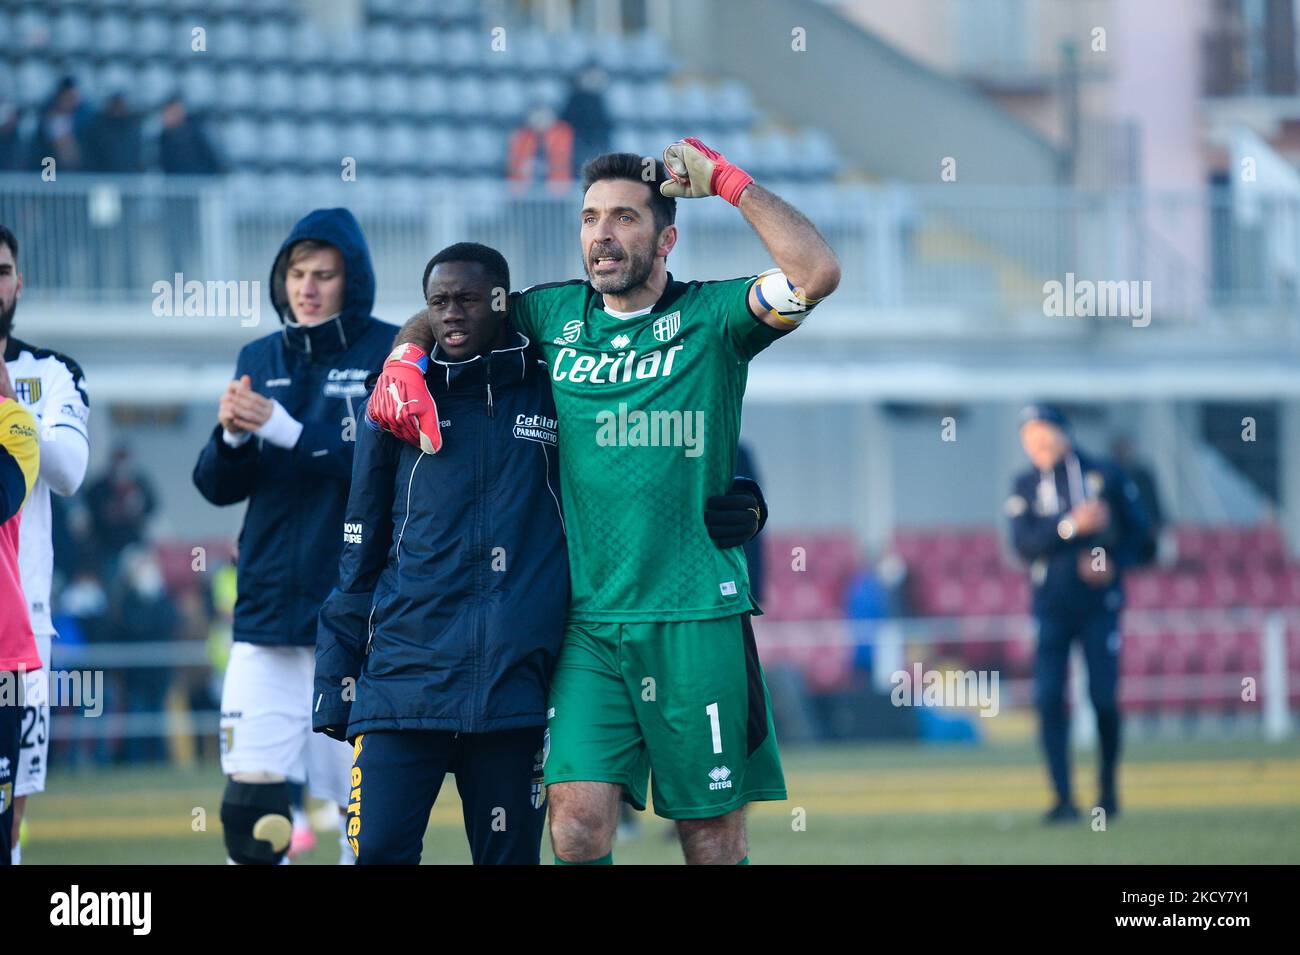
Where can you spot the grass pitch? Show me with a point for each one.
(1194, 802)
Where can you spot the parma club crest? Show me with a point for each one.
(667, 326)
(27, 390)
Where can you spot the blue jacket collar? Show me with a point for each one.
(503, 366)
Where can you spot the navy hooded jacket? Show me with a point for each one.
(1038, 503)
(289, 545)
(454, 580)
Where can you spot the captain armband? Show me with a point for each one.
(780, 298)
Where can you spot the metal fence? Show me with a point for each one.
(984, 252)
(806, 645)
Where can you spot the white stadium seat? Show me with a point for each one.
(314, 91)
(199, 85)
(236, 89)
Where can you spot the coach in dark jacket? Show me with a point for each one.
(1077, 522)
(435, 651)
(284, 443)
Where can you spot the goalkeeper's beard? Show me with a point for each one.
(7, 319)
(638, 266)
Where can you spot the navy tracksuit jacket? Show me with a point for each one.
(449, 614)
(289, 544)
(1066, 607)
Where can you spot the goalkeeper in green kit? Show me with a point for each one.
(658, 677)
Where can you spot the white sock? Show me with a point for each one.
(16, 855)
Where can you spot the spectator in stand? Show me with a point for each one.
(120, 503)
(587, 115)
(113, 142)
(61, 129)
(11, 149)
(184, 148)
(542, 148)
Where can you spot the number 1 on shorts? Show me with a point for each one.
(716, 725)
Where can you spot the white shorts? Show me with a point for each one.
(34, 729)
(266, 721)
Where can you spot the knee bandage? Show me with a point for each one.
(256, 821)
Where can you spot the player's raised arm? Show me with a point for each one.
(416, 331)
(807, 268)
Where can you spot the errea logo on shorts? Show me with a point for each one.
(721, 777)
(352, 533)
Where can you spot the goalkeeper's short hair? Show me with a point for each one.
(493, 262)
(636, 169)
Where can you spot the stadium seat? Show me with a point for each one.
(468, 97)
(362, 142)
(399, 148)
(240, 139)
(319, 142)
(383, 45)
(153, 85)
(237, 90)
(230, 41)
(622, 101)
(198, 86)
(647, 54)
(430, 96)
(156, 38)
(281, 144)
(35, 79)
(312, 48)
(463, 49)
(33, 28)
(528, 51)
(421, 50)
(507, 100)
(438, 148)
(71, 33)
(279, 91)
(313, 91)
(353, 93)
(390, 95)
(271, 39)
(117, 76)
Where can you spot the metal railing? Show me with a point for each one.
(983, 253)
(896, 644)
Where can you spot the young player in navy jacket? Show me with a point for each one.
(284, 443)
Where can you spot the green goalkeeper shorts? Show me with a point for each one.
(683, 701)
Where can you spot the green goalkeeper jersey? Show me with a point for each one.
(649, 417)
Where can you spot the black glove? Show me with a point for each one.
(737, 516)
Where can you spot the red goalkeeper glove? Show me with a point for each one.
(697, 170)
(401, 402)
